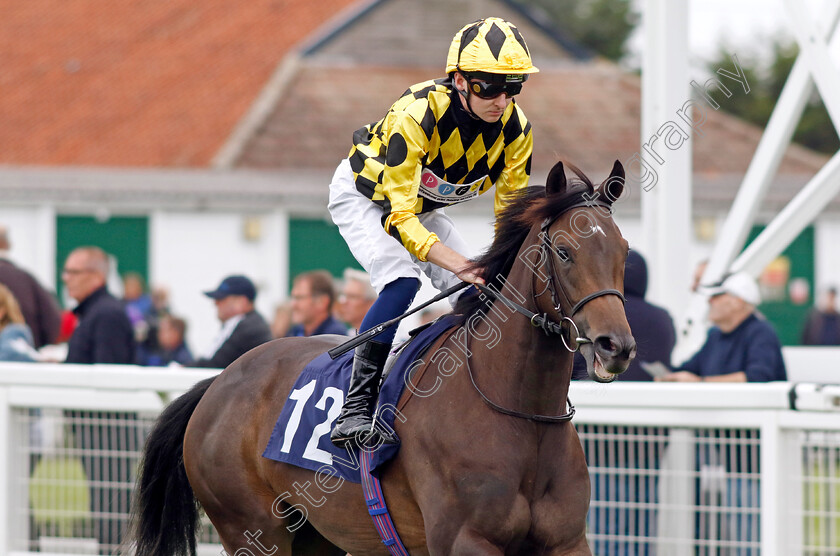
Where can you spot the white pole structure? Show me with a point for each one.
(768, 156)
(666, 199)
(665, 151)
(797, 214)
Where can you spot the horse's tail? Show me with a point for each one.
(165, 513)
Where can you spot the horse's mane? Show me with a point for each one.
(525, 208)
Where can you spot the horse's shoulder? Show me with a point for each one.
(418, 371)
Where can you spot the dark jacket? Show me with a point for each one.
(652, 326)
(821, 329)
(40, 309)
(160, 357)
(251, 331)
(752, 347)
(104, 333)
(329, 326)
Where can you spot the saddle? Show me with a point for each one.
(301, 434)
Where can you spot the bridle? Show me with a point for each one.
(543, 321)
(554, 286)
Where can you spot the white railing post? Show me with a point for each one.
(6, 471)
(774, 508)
(676, 490)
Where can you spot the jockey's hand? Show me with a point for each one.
(470, 277)
(453, 261)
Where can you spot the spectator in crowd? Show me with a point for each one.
(313, 296)
(171, 344)
(103, 333)
(68, 325)
(282, 321)
(242, 327)
(651, 325)
(138, 307)
(357, 295)
(160, 301)
(39, 308)
(740, 347)
(138, 303)
(823, 325)
(635, 491)
(15, 337)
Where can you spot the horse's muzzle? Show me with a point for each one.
(608, 356)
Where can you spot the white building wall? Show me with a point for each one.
(826, 254)
(192, 252)
(32, 236)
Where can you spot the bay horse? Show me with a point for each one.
(489, 463)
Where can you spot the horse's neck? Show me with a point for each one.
(530, 370)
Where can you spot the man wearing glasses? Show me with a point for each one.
(443, 142)
(104, 333)
(104, 439)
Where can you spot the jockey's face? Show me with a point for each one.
(487, 109)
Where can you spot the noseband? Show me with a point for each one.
(543, 320)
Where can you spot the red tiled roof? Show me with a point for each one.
(87, 82)
(586, 114)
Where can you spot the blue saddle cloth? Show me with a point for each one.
(301, 436)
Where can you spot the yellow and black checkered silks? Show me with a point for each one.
(490, 45)
(420, 133)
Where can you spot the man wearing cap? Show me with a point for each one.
(242, 327)
(741, 346)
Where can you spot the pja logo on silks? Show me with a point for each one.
(442, 191)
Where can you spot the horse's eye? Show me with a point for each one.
(562, 253)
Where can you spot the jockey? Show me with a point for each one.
(443, 142)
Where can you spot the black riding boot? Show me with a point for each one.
(361, 399)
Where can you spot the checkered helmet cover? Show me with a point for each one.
(490, 45)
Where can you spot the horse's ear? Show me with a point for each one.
(556, 182)
(613, 186)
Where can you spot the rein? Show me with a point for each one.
(544, 322)
(553, 419)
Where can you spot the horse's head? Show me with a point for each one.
(582, 264)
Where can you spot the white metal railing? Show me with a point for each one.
(676, 469)
(70, 441)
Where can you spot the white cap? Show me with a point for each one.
(741, 285)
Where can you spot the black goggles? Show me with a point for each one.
(490, 85)
(483, 89)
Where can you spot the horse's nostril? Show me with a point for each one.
(606, 346)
